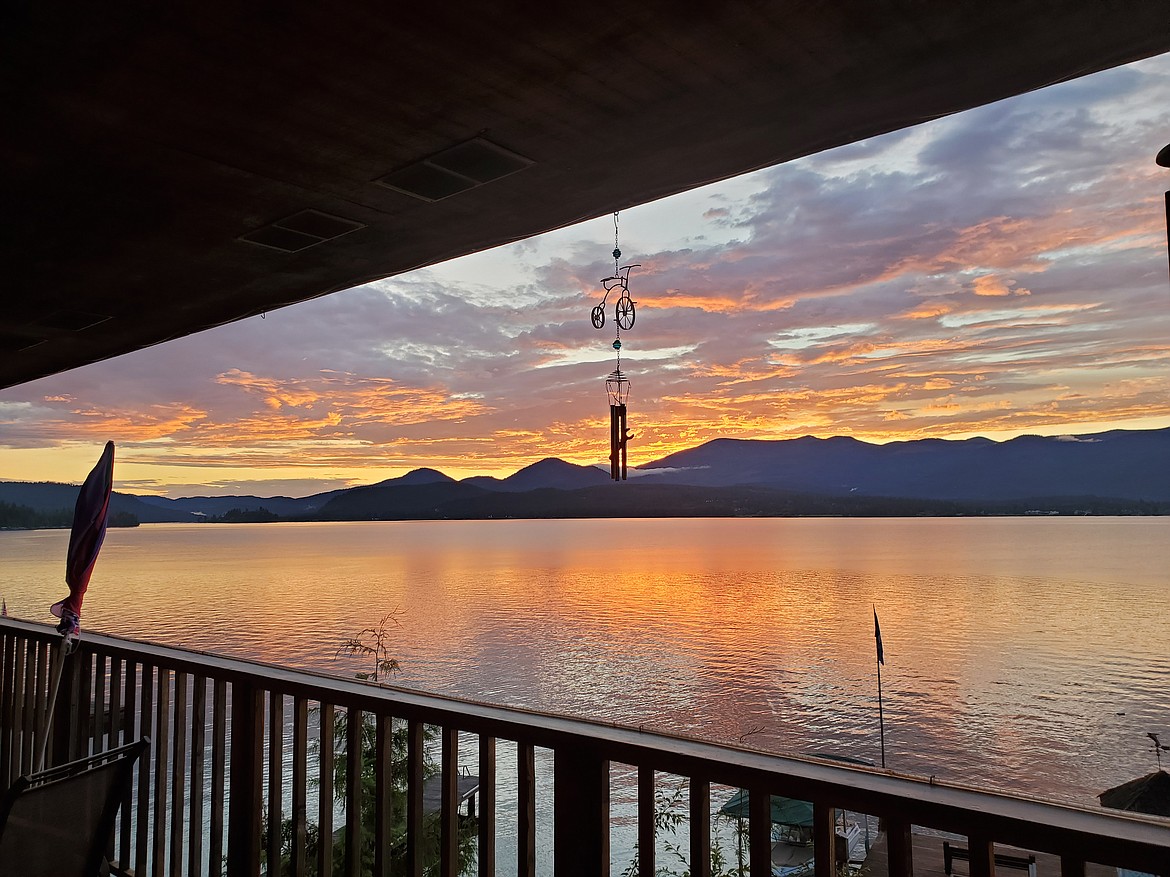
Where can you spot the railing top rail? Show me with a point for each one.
(1028, 822)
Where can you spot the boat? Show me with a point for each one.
(792, 837)
(792, 848)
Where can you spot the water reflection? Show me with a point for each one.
(1026, 655)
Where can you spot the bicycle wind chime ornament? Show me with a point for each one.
(617, 385)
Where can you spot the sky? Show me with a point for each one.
(998, 272)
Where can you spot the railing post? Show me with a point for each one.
(899, 847)
(354, 722)
(218, 764)
(487, 807)
(40, 737)
(824, 840)
(415, 740)
(383, 797)
(117, 714)
(525, 810)
(449, 804)
(130, 725)
(580, 813)
(700, 828)
(647, 827)
(275, 779)
(982, 852)
(99, 703)
(198, 760)
(28, 712)
(299, 865)
(179, 788)
(759, 833)
(325, 790)
(7, 698)
(81, 708)
(160, 743)
(245, 783)
(142, 811)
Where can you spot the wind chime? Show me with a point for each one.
(617, 385)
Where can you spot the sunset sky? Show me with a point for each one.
(997, 272)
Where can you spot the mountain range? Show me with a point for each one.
(1120, 471)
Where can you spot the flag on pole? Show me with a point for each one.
(877, 634)
(85, 541)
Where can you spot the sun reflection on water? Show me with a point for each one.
(1025, 655)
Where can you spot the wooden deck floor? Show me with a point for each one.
(928, 861)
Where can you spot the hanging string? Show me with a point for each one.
(617, 255)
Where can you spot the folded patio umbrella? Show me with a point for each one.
(85, 541)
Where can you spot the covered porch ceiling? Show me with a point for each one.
(172, 167)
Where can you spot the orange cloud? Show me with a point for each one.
(713, 303)
(927, 311)
(152, 423)
(994, 285)
(275, 393)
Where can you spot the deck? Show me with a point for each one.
(928, 860)
(236, 745)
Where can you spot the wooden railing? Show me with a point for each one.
(236, 744)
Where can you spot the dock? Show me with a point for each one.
(928, 860)
(433, 793)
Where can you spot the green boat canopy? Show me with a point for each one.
(785, 811)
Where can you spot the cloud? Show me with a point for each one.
(993, 285)
(998, 271)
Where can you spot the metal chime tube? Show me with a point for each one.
(613, 441)
(622, 437)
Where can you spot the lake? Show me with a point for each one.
(1022, 654)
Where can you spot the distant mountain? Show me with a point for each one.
(395, 501)
(644, 498)
(217, 506)
(284, 506)
(1116, 472)
(548, 473)
(416, 477)
(49, 497)
(1121, 464)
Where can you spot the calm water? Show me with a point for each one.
(1021, 654)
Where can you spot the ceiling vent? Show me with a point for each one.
(301, 231)
(455, 170)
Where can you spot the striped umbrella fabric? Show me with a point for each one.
(85, 540)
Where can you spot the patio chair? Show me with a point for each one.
(58, 822)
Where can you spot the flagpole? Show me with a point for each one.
(881, 659)
(881, 717)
